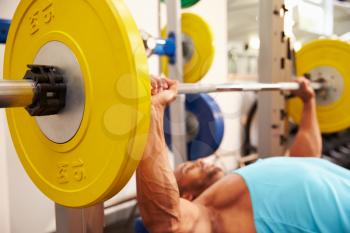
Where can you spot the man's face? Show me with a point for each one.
(196, 176)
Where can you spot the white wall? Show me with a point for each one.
(145, 14)
(4, 188)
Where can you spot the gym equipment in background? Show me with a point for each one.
(198, 48)
(4, 28)
(326, 61)
(204, 123)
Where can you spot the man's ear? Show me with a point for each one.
(187, 196)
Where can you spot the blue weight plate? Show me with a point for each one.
(4, 28)
(204, 123)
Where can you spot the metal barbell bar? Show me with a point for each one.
(21, 93)
(239, 87)
(42, 91)
(16, 93)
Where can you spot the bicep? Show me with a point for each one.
(224, 192)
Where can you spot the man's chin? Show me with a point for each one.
(216, 173)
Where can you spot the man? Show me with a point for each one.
(283, 194)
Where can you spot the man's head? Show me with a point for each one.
(196, 176)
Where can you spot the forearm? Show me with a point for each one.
(157, 191)
(308, 141)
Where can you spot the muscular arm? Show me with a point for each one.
(308, 141)
(160, 204)
(157, 192)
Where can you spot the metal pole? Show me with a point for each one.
(273, 68)
(16, 93)
(232, 87)
(79, 220)
(177, 109)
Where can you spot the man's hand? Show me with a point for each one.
(305, 92)
(308, 141)
(164, 91)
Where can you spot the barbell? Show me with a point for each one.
(23, 93)
(88, 95)
(244, 87)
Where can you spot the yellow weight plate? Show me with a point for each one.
(327, 59)
(201, 49)
(103, 154)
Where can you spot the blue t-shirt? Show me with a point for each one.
(298, 195)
